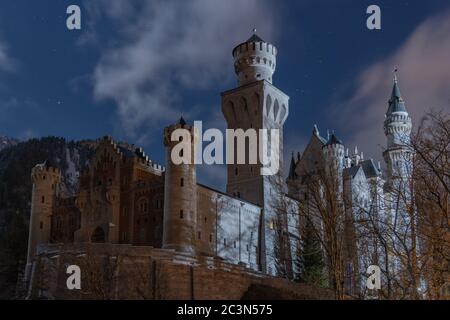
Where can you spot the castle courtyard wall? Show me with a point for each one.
(130, 272)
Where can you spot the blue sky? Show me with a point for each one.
(135, 66)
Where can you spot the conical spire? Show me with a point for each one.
(396, 102)
(292, 174)
(255, 37)
(182, 121)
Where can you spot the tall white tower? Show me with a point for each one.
(397, 128)
(256, 104)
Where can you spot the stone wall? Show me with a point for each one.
(127, 272)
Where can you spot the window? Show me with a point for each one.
(206, 219)
(43, 177)
(124, 235)
(199, 235)
(181, 214)
(43, 199)
(143, 205)
(247, 247)
(125, 211)
(225, 242)
(271, 225)
(234, 244)
(238, 194)
(210, 237)
(236, 171)
(41, 225)
(182, 182)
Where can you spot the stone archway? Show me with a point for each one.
(98, 236)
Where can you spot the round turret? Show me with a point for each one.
(334, 151)
(397, 123)
(46, 178)
(254, 60)
(180, 194)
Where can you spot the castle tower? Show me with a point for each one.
(333, 152)
(46, 180)
(397, 128)
(256, 104)
(180, 189)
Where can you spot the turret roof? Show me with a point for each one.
(396, 102)
(333, 140)
(255, 38)
(292, 174)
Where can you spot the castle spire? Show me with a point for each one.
(292, 173)
(396, 102)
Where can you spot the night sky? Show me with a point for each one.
(135, 66)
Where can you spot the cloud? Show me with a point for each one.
(424, 79)
(167, 48)
(6, 62)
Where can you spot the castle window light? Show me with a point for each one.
(181, 214)
(271, 225)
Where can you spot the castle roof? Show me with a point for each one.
(255, 38)
(370, 169)
(292, 173)
(396, 102)
(333, 140)
(182, 121)
(317, 134)
(352, 171)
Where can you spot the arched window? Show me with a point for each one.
(98, 236)
(268, 105)
(181, 214)
(182, 182)
(276, 109)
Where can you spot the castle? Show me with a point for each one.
(125, 198)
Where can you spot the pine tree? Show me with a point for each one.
(310, 263)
